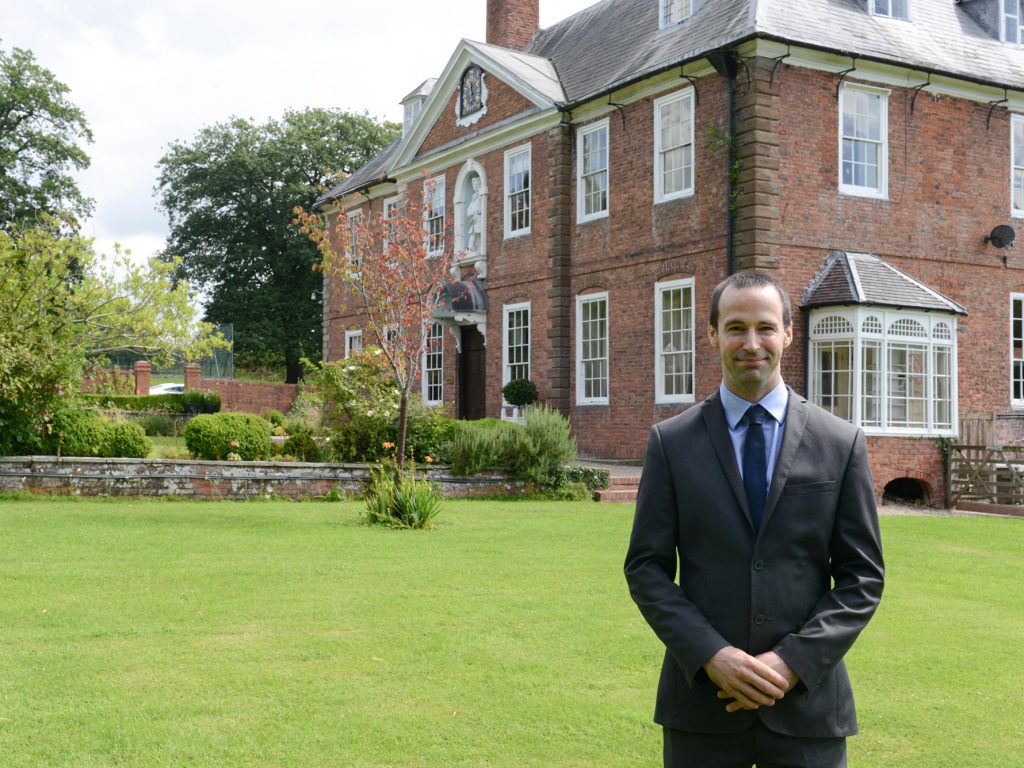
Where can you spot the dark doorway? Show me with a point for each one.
(472, 371)
(905, 490)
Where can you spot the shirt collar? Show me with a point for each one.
(735, 406)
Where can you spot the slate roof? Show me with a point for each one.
(862, 278)
(423, 89)
(615, 42)
(534, 71)
(374, 172)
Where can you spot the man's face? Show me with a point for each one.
(750, 339)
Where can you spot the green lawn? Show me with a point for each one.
(149, 633)
(168, 447)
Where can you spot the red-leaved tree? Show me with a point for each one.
(398, 272)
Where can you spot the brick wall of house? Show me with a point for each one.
(503, 103)
(637, 245)
(919, 459)
(948, 187)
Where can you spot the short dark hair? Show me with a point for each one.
(751, 279)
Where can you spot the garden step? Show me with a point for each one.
(622, 481)
(617, 494)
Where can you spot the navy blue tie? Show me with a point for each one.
(755, 463)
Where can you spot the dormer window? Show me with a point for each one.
(412, 104)
(1013, 21)
(409, 113)
(894, 9)
(673, 11)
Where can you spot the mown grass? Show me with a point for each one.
(168, 447)
(146, 633)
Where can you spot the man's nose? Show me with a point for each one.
(751, 341)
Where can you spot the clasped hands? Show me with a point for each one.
(750, 681)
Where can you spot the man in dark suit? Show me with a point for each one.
(771, 517)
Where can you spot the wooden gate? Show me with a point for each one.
(989, 474)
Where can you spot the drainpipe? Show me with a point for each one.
(726, 63)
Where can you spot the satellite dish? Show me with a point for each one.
(1001, 237)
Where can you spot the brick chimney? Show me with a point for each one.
(512, 23)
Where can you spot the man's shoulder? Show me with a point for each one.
(692, 417)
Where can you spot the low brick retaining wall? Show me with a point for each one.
(214, 479)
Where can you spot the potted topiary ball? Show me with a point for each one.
(520, 392)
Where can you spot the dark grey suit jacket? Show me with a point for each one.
(756, 590)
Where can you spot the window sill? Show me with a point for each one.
(913, 433)
(518, 233)
(869, 194)
(673, 197)
(660, 402)
(592, 217)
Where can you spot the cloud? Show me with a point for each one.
(149, 74)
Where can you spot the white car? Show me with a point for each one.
(172, 388)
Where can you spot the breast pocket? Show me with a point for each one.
(806, 489)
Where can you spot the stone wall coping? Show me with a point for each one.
(198, 479)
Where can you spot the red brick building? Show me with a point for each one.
(602, 175)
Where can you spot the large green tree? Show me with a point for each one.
(40, 132)
(61, 304)
(229, 195)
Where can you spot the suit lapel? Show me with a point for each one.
(718, 430)
(796, 421)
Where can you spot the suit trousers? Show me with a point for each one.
(755, 746)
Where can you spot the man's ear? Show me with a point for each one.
(713, 335)
(788, 337)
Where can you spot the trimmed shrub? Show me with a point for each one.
(274, 416)
(172, 403)
(213, 436)
(520, 392)
(302, 447)
(76, 432)
(126, 440)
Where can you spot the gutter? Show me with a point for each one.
(732, 45)
(321, 202)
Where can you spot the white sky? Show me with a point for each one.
(152, 72)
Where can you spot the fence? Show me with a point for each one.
(985, 474)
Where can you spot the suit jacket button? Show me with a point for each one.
(759, 565)
(759, 619)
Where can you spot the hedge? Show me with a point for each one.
(171, 403)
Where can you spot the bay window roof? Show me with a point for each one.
(863, 278)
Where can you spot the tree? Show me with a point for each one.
(59, 306)
(40, 131)
(229, 195)
(397, 282)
